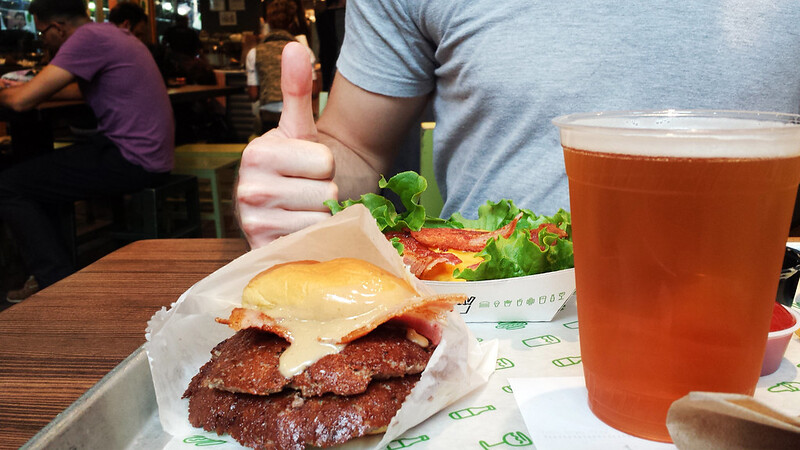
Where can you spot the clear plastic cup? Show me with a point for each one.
(680, 221)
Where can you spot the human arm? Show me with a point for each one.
(52, 82)
(286, 174)
(363, 130)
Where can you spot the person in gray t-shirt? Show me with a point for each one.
(496, 74)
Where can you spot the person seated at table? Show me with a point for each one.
(130, 16)
(133, 148)
(181, 38)
(263, 63)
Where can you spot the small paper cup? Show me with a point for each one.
(777, 341)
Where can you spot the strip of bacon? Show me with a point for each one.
(423, 314)
(418, 257)
(551, 228)
(242, 318)
(461, 239)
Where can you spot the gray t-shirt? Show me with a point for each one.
(500, 71)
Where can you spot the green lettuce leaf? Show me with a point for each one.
(518, 256)
(409, 186)
(510, 257)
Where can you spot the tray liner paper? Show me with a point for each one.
(179, 340)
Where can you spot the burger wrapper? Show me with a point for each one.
(179, 340)
(703, 420)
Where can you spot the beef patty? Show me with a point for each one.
(247, 363)
(289, 421)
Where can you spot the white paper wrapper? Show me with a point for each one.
(179, 340)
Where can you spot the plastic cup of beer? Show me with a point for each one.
(680, 220)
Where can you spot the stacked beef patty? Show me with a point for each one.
(355, 392)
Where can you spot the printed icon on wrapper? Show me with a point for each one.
(504, 363)
(539, 341)
(470, 412)
(785, 386)
(571, 325)
(511, 325)
(507, 389)
(203, 441)
(513, 439)
(464, 307)
(567, 361)
(406, 442)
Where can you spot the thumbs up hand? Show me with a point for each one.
(286, 175)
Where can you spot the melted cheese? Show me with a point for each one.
(318, 303)
(444, 272)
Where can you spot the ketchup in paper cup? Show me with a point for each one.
(785, 321)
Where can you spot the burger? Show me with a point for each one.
(503, 242)
(323, 352)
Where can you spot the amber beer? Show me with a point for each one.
(679, 223)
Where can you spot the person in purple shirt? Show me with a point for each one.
(133, 148)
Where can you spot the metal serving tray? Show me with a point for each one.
(119, 412)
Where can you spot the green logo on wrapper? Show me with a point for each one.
(470, 412)
(511, 325)
(504, 363)
(513, 439)
(539, 341)
(785, 386)
(572, 325)
(406, 442)
(202, 441)
(567, 361)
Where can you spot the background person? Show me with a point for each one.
(130, 16)
(180, 38)
(263, 63)
(331, 27)
(181, 55)
(133, 148)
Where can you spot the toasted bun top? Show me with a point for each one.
(323, 291)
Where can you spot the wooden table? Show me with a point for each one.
(190, 93)
(60, 342)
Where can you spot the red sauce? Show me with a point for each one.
(781, 318)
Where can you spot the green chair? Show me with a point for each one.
(217, 169)
(431, 199)
(169, 210)
(206, 149)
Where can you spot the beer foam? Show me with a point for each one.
(682, 136)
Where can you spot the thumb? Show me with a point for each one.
(297, 118)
